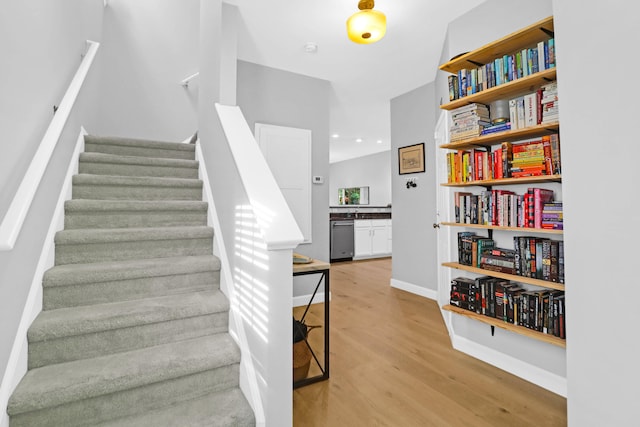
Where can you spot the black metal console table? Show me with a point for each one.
(322, 268)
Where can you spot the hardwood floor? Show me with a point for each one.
(392, 365)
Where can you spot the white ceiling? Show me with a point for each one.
(364, 77)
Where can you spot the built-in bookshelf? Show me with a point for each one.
(538, 36)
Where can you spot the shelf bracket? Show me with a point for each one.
(477, 64)
(548, 32)
(493, 330)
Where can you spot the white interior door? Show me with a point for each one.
(443, 213)
(288, 154)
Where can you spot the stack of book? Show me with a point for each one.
(528, 159)
(468, 121)
(549, 103)
(552, 216)
(498, 259)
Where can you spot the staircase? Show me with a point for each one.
(134, 328)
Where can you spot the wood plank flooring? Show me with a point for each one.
(392, 364)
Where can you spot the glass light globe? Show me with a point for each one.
(366, 26)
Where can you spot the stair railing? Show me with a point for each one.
(19, 207)
(258, 233)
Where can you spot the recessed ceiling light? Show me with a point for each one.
(379, 141)
(359, 140)
(311, 47)
(335, 135)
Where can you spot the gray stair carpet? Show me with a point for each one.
(134, 327)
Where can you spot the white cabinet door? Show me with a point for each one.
(379, 237)
(389, 237)
(362, 241)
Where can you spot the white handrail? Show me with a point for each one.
(17, 212)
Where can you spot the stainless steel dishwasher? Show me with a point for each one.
(342, 244)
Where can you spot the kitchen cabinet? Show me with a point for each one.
(372, 238)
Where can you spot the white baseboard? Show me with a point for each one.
(545, 379)
(303, 300)
(415, 289)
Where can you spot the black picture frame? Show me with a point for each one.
(411, 159)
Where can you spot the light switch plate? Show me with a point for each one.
(318, 180)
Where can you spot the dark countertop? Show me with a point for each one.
(360, 215)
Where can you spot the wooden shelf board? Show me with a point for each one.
(505, 181)
(506, 90)
(551, 339)
(513, 277)
(518, 40)
(496, 227)
(509, 135)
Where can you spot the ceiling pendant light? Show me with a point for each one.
(368, 25)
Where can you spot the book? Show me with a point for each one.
(496, 128)
(458, 207)
(555, 154)
(453, 87)
(531, 110)
(464, 247)
(459, 292)
(540, 197)
(548, 163)
(479, 246)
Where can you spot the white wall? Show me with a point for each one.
(39, 59)
(373, 171)
(38, 62)
(599, 147)
(148, 47)
(270, 96)
(413, 212)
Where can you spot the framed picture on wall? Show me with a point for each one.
(411, 159)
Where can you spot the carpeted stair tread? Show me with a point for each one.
(73, 274)
(117, 165)
(138, 147)
(73, 285)
(114, 187)
(89, 205)
(87, 213)
(137, 160)
(67, 334)
(54, 385)
(95, 245)
(71, 237)
(223, 409)
(89, 179)
(52, 324)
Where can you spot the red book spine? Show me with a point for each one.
(539, 105)
(530, 208)
(540, 197)
(546, 145)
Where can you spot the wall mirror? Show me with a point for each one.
(353, 196)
